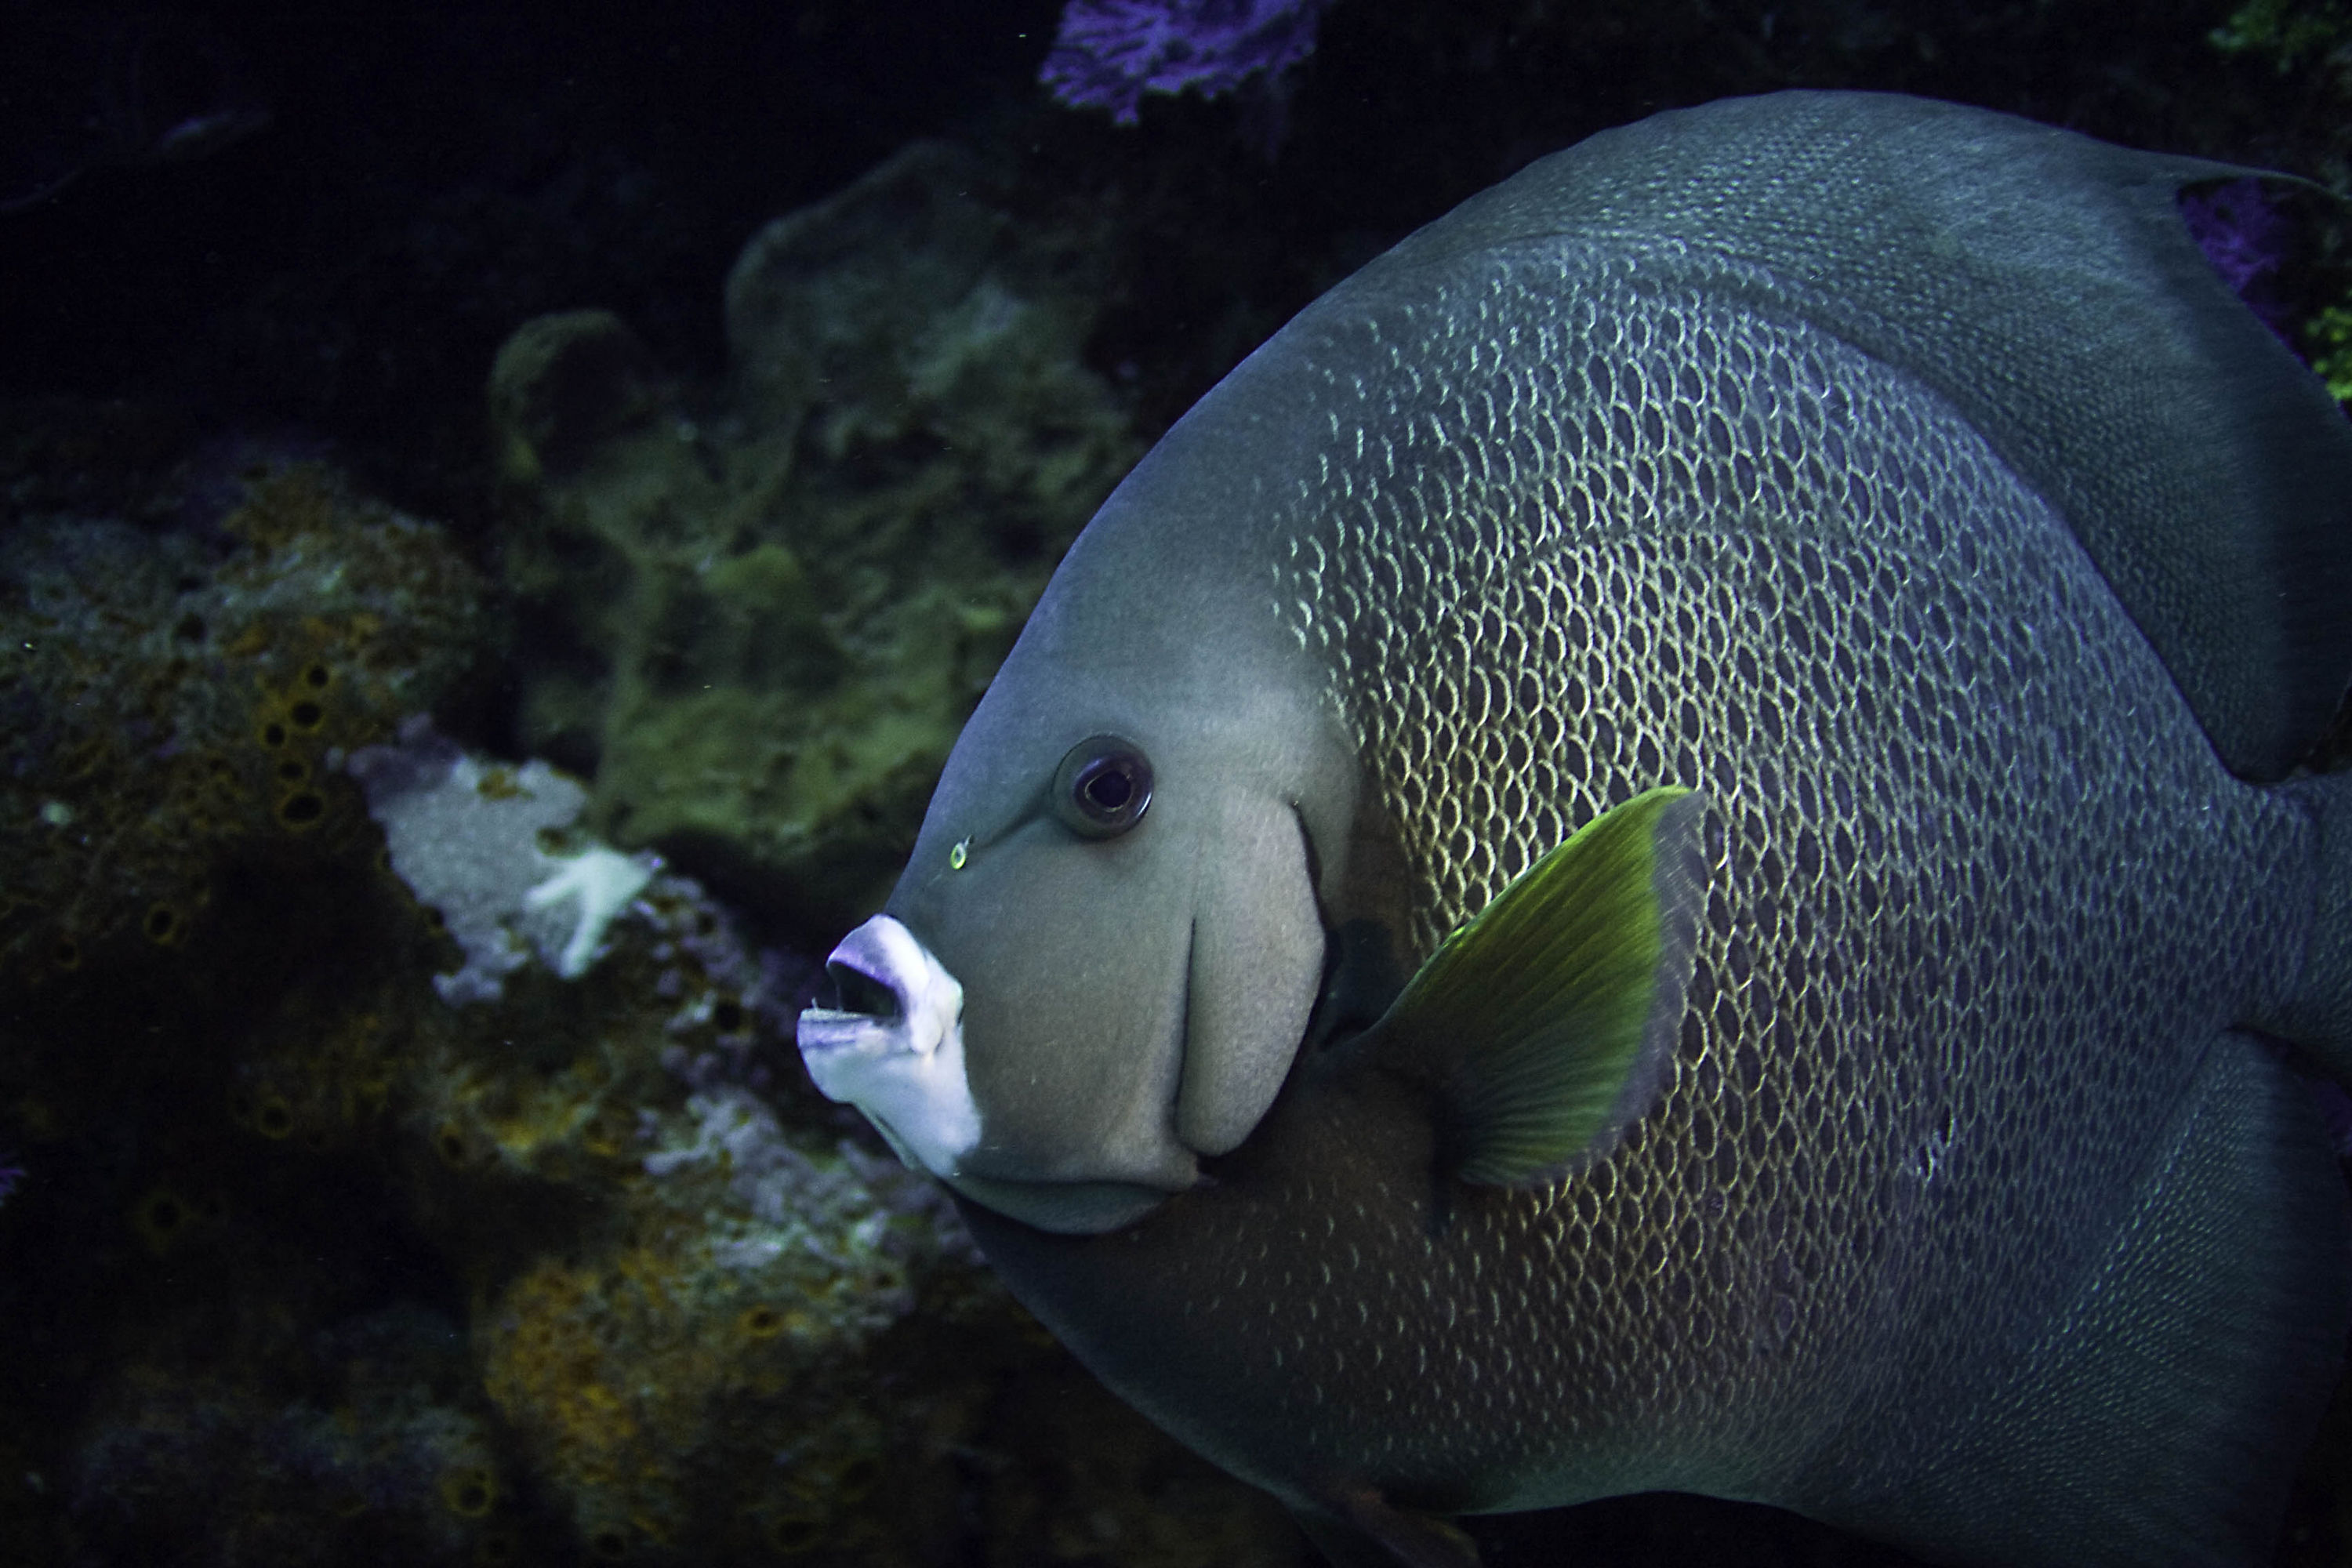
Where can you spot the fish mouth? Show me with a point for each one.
(894, 1046)
(891, 994)
(860, 991)
(867, 1015)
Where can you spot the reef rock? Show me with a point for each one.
(757, 617)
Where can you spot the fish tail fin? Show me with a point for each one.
(2316, 1015)
(2158, 1418)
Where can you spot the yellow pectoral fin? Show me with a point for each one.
(1546, 1023)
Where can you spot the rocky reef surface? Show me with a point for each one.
(759, 614)
(411, 1162)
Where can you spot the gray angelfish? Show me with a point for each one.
(1867, 540)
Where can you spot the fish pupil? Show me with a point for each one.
(1102, 786)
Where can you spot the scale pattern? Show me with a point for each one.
(1584, 522)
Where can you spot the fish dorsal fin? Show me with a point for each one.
(1546, 1025)
(2046, 285)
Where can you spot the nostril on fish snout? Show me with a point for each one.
(855, 990)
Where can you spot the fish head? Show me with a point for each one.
(1102, 957)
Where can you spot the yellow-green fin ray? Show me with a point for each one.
(1546, 1023)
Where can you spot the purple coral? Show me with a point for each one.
(1109, 53)
(2335, 1109)
(2245, 238)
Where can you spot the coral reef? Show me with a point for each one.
(704, 1382)
(2290, 33)
(483, 846)
(2331, 349)
(2306, 45)
(324, 1255)
(1108, 54)
(759, 620)
(360, 1447)
(169, 701)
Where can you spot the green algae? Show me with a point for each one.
(758, 616)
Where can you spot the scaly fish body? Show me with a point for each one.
(1966, 1210)
(1953, 980)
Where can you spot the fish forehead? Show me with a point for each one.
(1981, 891)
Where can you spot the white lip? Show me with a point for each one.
(904, 1070)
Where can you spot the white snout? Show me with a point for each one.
(903, 1067)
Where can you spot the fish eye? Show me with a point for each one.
(1102, 786)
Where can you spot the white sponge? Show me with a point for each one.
(477, 841)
